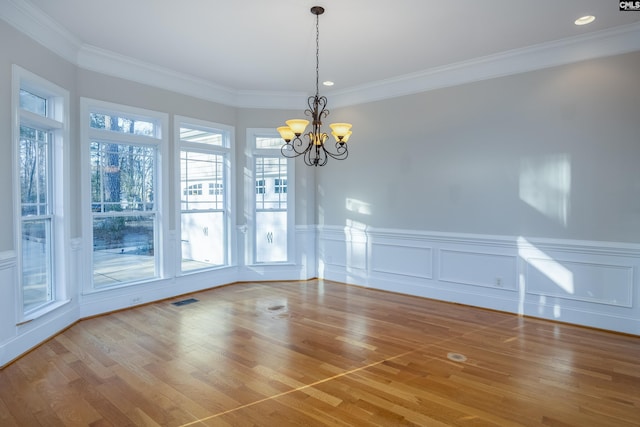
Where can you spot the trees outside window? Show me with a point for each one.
(124, 147)
(37, 217)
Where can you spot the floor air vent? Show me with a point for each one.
(185, 302)
(457, 357)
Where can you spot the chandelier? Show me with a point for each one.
(313, 149)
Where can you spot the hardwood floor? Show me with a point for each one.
(322, 353)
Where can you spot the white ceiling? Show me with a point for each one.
(260, 45)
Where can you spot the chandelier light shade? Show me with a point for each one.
(312, 146)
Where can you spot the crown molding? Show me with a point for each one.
(38, 26)
(106, 62)
(31, 21)
(599, 44)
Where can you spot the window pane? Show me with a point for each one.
(203, 240)
(271, 178)
(201, 181)
(271, 209)
(266, 142)
(123, 124)
(122, 177)
(123, 249)
(34, 164)
(36, 263)
(33, 103)
(271, 236)
(201, 136)
(34, 171)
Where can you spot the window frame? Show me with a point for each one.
(159, 142)
(55, 122)
(274, 152)
(227, 151)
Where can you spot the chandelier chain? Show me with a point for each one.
(317, 55)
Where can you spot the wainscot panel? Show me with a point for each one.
(403, 260)
(599, 283)
(479, 269)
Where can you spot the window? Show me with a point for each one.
(215, 188)
(42, 133)
(280, 185)
(193, 190)
(205, 157)
(261, 187)
(124, 149)
(272, 216)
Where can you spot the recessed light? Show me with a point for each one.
(328, 83)
(588, 19)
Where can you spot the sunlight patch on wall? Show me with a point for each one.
(356, 240)
(555, 271)
(522, 291)
(321, 267)
(358, 206)
(545, 185)
(319, 207)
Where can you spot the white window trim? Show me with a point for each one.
(229, 189)
(87, 105)
(58, 120)
(252, 134)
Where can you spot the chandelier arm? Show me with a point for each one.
(287, 150)
(295, 148)
(341, 153)
(323, 160)
(309, 158)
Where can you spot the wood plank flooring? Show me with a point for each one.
(322, 353)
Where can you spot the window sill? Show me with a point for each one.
(273, 264)
(125, 285)
(52, 306)
(205, 270)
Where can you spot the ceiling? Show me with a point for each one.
(260, 45)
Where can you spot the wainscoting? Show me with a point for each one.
(7, 283)
(586, 283)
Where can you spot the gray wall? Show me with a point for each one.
(551, 153)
